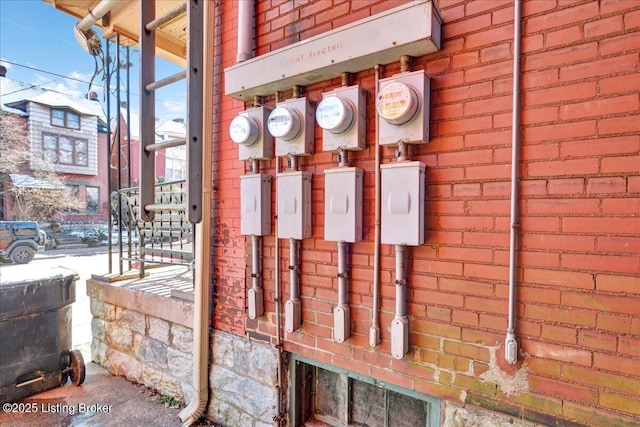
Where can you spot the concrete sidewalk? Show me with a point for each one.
(103, 400)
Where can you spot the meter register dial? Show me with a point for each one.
(244, 131)
(284, 123)
(397, 103)
(335, 114)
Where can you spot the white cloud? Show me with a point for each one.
(173, 109)
(77, 87)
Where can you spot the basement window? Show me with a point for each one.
(328, 396)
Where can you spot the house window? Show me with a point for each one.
(64, 118)
(329, 396)
(65, 150)
(176, 163)
(93, 201)
(75, 193)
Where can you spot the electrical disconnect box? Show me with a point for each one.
(341, 115)
(403, 107)
(403, 203)
(248, 130)
(343, 204)
(255, 212)
(291, 123)
(294, 205)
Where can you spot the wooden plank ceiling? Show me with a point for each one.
(123, 19)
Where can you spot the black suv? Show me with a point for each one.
(20, 240)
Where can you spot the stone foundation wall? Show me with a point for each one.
(131, 340)
(243, 381)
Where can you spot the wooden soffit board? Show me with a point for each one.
(124, 19)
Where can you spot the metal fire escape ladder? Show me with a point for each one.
(195, 80)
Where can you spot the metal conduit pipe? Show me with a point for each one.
(374, 330)
(278, 299)
(401, 281)
(343, 157)
(343, 292)
(342, 313)
(293, 309)
(510, 343)
(256, 294)
(400, 323)
(294, 289)
(246, 17)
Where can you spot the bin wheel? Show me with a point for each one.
(72, 364)
(77, 372)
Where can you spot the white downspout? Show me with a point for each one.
(202, 251)
(246, 17)
(510, 343)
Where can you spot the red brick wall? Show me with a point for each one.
(578, 317)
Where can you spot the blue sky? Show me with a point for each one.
(37, 46)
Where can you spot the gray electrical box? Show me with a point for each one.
(255, 212)
(294, 205)
(342, 116)
(248, 129)
(403, 203)
(343, 204)
(292, 123)
(403, 106)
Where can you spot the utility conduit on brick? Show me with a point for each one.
(510, 343)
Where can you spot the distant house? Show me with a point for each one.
(67, 131)
(171, 164)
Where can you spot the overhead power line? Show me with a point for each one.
(68, 78)
(49, 72)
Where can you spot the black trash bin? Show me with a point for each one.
(35, 333)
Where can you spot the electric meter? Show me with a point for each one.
(397, 103)
(249, 131)
(244, 131)
(284, 123)
(292, 125)
(334, 114)
(403, 106)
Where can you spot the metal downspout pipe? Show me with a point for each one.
(203, 254)
(246, 16)
(510, 343)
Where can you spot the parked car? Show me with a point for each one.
(20, 240)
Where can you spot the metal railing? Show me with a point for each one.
(167, 239)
